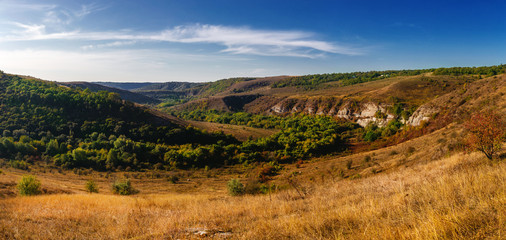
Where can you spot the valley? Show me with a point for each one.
(365, 155)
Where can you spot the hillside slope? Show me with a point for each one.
(377, 100)
(124, 94)
(80, 128)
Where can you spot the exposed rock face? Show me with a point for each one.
(423, 113)
(361, 113)
(366, 114)
(278, 108)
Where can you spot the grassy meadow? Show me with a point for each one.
(456, 197)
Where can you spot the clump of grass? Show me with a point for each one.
(393, 152)
(123, 187)
(367, 158)
(349, 163)
(29, 185)
(235, 187)
(91, 186)
(356, 176)
(411, 150)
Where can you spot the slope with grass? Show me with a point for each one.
(457, 197)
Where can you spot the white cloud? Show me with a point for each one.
(107, 45)
(237, 40)
(16, 6)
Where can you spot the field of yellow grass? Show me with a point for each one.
(456, 197)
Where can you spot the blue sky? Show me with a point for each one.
(190, 40)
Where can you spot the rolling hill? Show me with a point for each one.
(312, 173)
(80, 128)
(124, 94)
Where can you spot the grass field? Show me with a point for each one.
(458, 197)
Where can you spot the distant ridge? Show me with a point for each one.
(125, 85)
(124, 94)
(171, 86)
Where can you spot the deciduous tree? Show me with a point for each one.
(487, 131)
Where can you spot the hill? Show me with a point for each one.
(80, 128)
(125, 85)
(171, 86)
(353, 96)
(124, 94)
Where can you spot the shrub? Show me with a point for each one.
(411, 150)
(19, 164)
(235, 187)
(266, 172)
(91, 186)
(29, 185)
(123, 187)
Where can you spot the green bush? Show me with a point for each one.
(235, 187)
(91, 186)
(29, 185)
(123, 187)
(19, 164)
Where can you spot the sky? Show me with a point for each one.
(207, 40)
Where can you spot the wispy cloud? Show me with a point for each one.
(107, 45)
(87, 9)
(18, 6)
(237, 40)
(63, 16)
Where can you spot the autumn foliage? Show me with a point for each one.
(487, 131)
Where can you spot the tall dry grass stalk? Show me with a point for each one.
(460, 197)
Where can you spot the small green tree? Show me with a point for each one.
(29, 185)
(123, 187)
(235, 187)
(91, 186)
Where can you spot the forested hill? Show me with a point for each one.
(40, 118)
(42, 108)
(124, 94)
(75, 128)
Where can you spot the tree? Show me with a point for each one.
(235, 187)
(487, 131)
(29, 185)
(91, 186)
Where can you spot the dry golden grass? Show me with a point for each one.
(458, 197)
